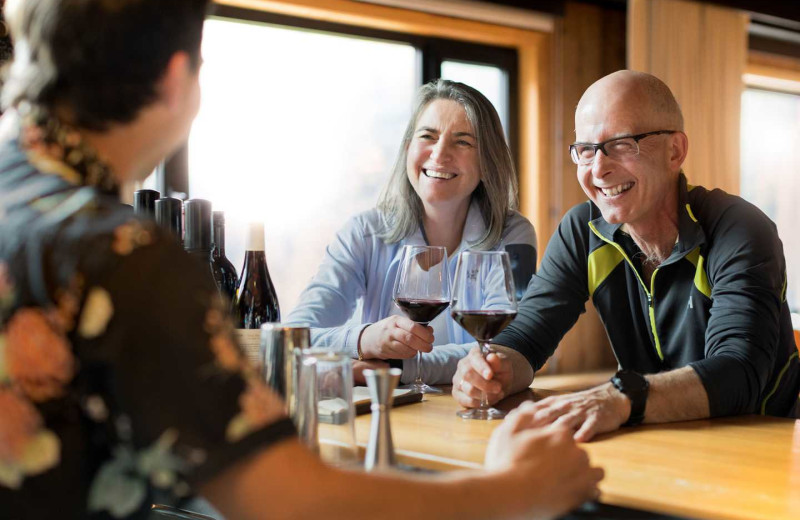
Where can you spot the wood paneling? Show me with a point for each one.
(700, 51)
(590, 43)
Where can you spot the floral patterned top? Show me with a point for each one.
(120, 383)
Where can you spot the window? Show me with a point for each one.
(490, 80)
(300, 123)
(770, 160)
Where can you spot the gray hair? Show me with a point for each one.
(496, 195)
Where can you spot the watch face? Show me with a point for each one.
(631, 382)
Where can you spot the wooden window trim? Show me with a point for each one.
(772, 72)
(533, 80)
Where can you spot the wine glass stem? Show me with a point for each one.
(418, 380)
(485, 350)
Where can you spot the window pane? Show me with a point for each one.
(298, 129)
(490, 81)
(770, 162)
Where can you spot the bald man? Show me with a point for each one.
(689, 283)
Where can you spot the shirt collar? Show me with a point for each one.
(690, 233)
(474, 229)
(57, 148)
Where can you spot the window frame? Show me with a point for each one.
(431, 52)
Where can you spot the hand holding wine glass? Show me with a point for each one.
(395, 337)
(483, 303)
(422, 292)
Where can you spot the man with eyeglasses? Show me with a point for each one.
(689, 283)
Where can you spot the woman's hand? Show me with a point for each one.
(395, 337)
(360, 366)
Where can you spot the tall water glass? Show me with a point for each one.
(335, 408)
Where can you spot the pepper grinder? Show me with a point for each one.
(380, 450)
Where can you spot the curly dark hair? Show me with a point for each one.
(99, 59)
(5, 38)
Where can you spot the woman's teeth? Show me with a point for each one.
(438, 175)
(616, 190)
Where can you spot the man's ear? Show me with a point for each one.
(173, 83)
(679, 147)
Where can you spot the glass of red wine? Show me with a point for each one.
(422, 292)
(484, 302)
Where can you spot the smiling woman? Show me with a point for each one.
(442, 165)
(454, 186)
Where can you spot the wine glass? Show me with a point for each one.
(422, 292)
(484, 302)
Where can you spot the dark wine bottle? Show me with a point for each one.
(197, 239)
(256, 301)
(169, 215)
(221, 267)
(144, 202)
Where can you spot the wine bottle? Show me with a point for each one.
(256, 301)
(169, 215)
(221, 267)
(144, 202)
(197, 239)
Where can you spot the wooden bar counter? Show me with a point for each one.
(732, 468)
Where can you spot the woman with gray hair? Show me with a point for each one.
(453, 185)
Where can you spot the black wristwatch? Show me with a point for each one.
(635, 386)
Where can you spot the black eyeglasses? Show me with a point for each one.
(617, 148)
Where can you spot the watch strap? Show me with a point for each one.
(635, 387)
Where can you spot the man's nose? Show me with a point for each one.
(601, 165)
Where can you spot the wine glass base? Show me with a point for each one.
(485, 414)
(422, 389)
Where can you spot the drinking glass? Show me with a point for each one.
(334, 405)
(422, 292)
(484, 302)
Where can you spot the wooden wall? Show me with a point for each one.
(700, 51)
(590, 43)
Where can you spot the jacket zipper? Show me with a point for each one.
(649, 293)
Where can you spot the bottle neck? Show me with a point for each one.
(219, 238)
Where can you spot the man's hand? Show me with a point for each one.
(547, 456)
(395, 337)
(597, 410)
(475, 375)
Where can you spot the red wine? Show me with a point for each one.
(256, 301)
(483, 325)
(421, 311)
(222, 268)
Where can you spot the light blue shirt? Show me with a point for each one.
(353, 288)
